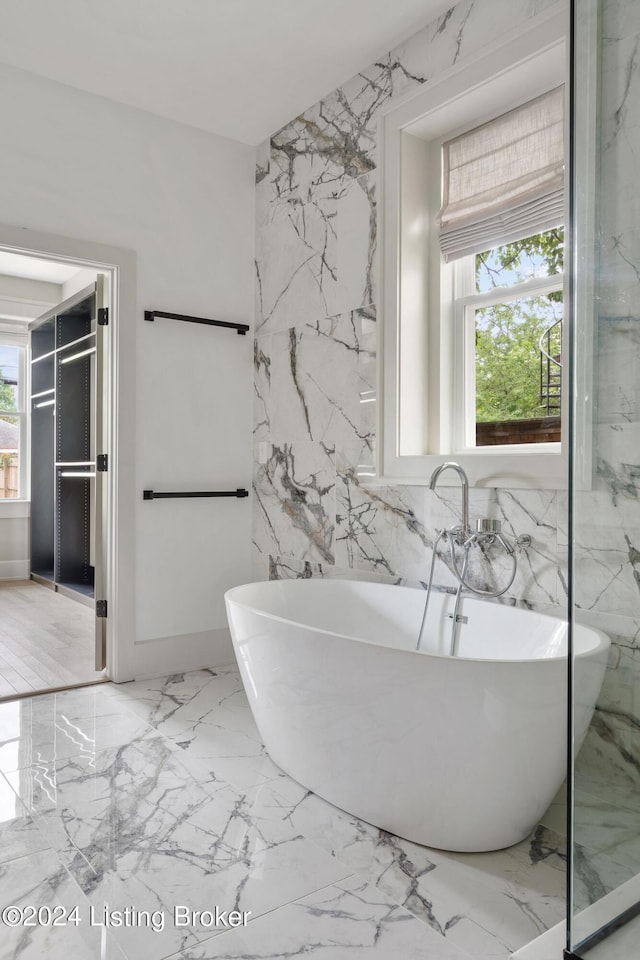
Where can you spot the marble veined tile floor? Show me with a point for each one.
(131, 801)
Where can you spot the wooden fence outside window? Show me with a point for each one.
(8, 476)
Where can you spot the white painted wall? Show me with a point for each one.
(14, 540)
(80, 166)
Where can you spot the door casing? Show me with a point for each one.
(119, 389)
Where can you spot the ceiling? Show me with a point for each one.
(34, 268)
(238, 68)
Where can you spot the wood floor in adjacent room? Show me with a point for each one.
(46, 639)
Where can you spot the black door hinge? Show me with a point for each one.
(101, 608)
(102, 462)
(103, 316)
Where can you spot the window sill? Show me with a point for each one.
(512, 450)
(14, 509)
(544, 468)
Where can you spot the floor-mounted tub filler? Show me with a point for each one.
(458, 752)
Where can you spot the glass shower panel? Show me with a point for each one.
(604, 495)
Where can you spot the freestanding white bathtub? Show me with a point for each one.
(461, 753)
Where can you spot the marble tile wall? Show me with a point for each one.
(317, 505)
(607, 516)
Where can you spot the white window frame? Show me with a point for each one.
(465, 308)
(11, 337)
(417, 330)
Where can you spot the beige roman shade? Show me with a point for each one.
(504, 180)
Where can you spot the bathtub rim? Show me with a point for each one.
(603, 640)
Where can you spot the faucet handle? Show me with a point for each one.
(487, 526)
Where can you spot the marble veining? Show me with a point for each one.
(294, 501)
(607, 532)
(40, 879)
(423, 880)
(316, 361)
(188, 809)
(183, 806)
(350, 918)
(318, 279)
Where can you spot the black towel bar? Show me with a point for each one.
(154, 495)
(240, 328)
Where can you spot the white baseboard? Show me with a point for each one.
(162, 656)
(14, 569)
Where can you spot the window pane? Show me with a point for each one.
(518, 371)
(9, 447)
(541, 255)
(8, 378)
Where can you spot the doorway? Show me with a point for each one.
(54, 501)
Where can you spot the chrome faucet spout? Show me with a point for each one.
(450, 465)
(487, 533)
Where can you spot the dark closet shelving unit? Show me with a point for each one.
(63, 461)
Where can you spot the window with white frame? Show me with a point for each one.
(12, 417)
(509, 326)
(501, 222)
(473, 249)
